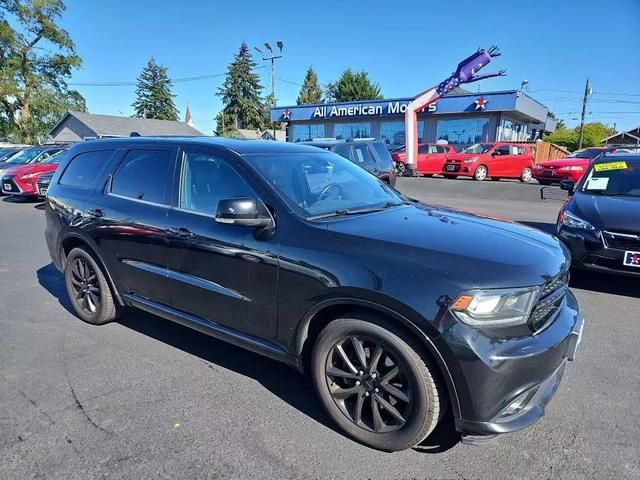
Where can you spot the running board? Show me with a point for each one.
(213, 329)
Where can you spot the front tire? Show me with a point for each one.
(376, 382)
(400, 169)
(88, 289)
(480, 174)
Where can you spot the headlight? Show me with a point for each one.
(570, 220)
(573, 168)
(537, 166)
(30, 175)
(472, 159)
(495, 308)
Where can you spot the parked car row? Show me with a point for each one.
(20, 172)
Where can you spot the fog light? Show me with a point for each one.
(519, 403)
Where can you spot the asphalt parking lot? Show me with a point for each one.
(145, 398)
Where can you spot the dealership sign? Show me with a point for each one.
(364, 109)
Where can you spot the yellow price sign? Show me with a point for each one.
(604, 167)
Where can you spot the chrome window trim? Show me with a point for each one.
(146, 202)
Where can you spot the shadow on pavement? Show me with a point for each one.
(283, 381)
(52, 280)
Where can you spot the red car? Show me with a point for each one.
(431, 157)
(492, 159)
(570, 167)
(22, 180)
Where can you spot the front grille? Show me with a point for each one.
(621, 241)
(549, 302)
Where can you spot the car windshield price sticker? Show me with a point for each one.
(598, 183)
(603, 167)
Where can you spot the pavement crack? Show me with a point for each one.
(77, 401)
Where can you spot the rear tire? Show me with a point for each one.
(400, 169)
(481, 173)
(88, 289)
(395, 403)
(526, 175)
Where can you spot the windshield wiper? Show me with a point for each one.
(357, 211)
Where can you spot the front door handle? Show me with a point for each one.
(95, 213)
(181, 232)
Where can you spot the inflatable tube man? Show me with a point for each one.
(467, 72)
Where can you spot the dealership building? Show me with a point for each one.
(460, 119)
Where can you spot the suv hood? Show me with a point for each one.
(607, 213)
(471, 250)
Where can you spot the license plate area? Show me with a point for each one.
(547, 173)
(631, 259)
(450, 167)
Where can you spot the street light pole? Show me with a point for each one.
(271, 57)
(587, 92)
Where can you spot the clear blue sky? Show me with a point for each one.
(406, 46)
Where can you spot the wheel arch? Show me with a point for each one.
(324, 312)
(72, 240)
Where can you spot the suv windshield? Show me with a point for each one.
(25, 156)
(478, 148)
(53, 158)
(615, 177)
(323, 183)
(587, 153)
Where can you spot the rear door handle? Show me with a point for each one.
(95, 213)
(181, 232)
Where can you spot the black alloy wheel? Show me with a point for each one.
(369, 386)
(88, 289)
(85, 285)
(377, 382)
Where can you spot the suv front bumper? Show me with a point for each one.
(504, 384)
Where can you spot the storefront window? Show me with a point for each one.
(392, 133)
(307, 131)
(463, 131)
(352, 130)
(512, 131)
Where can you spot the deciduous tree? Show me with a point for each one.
(37, 57)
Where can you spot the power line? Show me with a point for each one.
(130, 83)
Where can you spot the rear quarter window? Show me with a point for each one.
(84, 168)
(383, 156)
(142, 175)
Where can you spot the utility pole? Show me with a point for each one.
(272, 58)
(587, 92)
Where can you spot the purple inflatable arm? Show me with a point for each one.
(468, 69)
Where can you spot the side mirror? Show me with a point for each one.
(243, 211)
(567, 185)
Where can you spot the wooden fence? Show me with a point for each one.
(543, 151)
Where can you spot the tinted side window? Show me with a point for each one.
(344, 151)
(503, 150)
(363, 156)
(384, 157)
(440, 149)
(423, 149)
(206, 180)
(142, 175)
(84, 168)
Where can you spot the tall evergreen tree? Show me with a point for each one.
(153, 94)
(241, 94)
(353, 86)
(310, 91)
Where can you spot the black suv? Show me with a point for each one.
(398, 310)
(372, 155)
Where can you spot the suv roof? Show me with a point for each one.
(236, 145)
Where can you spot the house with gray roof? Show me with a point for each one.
(78, 126)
